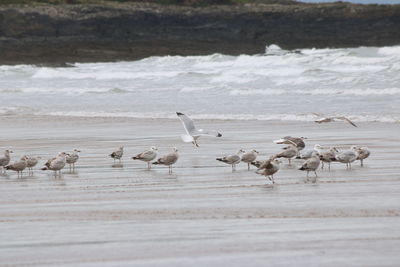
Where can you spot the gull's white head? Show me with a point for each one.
(318, 146)
(77, 150)
(154, 148)
(277, 161)
(175, 149)
(255, 151)
(241, 151)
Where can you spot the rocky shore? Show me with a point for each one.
(57, 34)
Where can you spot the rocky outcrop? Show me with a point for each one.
(70, 33)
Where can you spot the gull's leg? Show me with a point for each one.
(329, 166)
(248, 166)
(289, 161)
(322, 165)
(362, 164)
(315, 174)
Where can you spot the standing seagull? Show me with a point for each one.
(289, 140)
(168, 159)
(323, 119)
(18, 166)
(361, 152)
(249, 157)
(311, 164)
(269, 168)
(117, 154)
(288, 152)
(192, 133)
(147, 156)
(232, 159)
(347, 157)
(56, 164)
(71, 159)
(31, 162)
(328, 156)
(5, 160)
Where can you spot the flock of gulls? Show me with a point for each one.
(294, 147)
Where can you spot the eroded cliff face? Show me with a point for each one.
(81, 33)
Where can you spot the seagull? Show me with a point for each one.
(347, 157)
(249, 157)
(18, 166)
(31, 162)
(72, 158)
(232, 159)
(328, 156)
(331, 119)
(289, 140)
(192, 133)
(306, 154)
(56, 164)
(5, 160)
(269, 168)
(311, 164)
(361, 152)
(168, 159)
(288, 152)
(117, 154)
(147, 156)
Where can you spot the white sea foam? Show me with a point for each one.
(362, 82)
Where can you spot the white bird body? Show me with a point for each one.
(192, 134)
(306, 154)
(249, 157)
(147, 156)
(347, 157)
(361, 153)
(232, 159)
(168, 159)
(268, 168)
(56, 164)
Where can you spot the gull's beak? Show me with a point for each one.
(280, 141)
(219, 135)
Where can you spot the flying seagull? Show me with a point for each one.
(192, 133)
(324, 119)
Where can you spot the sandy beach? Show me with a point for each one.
(202, 214)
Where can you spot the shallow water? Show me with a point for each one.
(362, 83)
(202, 214)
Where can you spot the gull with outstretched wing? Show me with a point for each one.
(192, 133)
(331, 119)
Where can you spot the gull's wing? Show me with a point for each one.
(209, 133)
(187, 123)
(346, 119)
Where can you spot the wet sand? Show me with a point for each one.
(202, 214)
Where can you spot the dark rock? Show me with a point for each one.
(82, 33)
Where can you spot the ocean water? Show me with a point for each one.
(361, 83)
